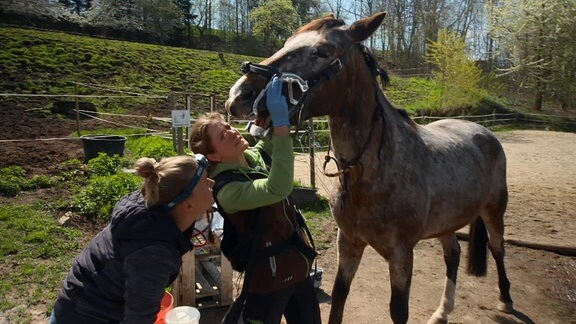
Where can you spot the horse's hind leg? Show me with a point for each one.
(349, 256)
(451, 249)
(494, 219)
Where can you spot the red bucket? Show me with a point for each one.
(165, 306)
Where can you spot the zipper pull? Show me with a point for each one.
(272, 260)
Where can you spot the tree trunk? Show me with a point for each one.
(538, 102)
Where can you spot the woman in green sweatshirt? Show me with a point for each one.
(266, 230)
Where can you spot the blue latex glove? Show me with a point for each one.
(276, 103)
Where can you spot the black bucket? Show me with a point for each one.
(303, 197)
(109, 144)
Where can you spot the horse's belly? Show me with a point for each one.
(449, 218)
(376, 222)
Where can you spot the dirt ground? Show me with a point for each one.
(542, 185)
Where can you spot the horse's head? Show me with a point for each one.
(316, 65)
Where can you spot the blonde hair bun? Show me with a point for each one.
(146, 167)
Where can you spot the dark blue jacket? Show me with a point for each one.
(122, 274)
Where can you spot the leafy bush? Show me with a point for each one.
(70, 170)
(11, 180)
(37, 182)
(9, 188)
(152, 147)
(99, 197)
(104, 165)
(458, 75)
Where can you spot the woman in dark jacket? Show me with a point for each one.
(122, 274)
(258, 205)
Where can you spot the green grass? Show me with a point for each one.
(320, 223)
(48, 62)
(35, 255)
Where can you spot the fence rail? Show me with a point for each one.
(184, 100)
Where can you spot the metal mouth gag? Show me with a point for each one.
(289, 79)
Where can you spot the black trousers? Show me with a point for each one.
(297, 303)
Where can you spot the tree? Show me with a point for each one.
(538, 39)
(121, 14)
(274, 20)
(78, 7)
(459, 77)
(186, 8)
(306, 9)
(160, 17)
(32, 8)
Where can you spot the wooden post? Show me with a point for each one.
(311, 143)
(177, 133)
(77, 106)
(226, 287)
(184, 286)
(188, 104)
(212, 103)
(179, 141)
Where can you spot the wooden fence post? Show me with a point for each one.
(493, 117)
(311, 143)
(212, 103)
(77, 107)
(188, 105)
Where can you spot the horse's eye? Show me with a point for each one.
(320, 54)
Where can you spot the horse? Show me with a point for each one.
(399, 182)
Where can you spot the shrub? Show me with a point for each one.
(104, 165)
(37, 182)
(70, 170)
(99, 197)
(11, 180)
(152, 147)
(9, 188)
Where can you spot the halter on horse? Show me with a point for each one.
(400, 182)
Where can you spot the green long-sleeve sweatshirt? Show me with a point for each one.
(237, 196)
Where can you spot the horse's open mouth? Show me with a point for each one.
(263, 119)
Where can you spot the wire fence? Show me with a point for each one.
(308, 140)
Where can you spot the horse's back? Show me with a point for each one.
(454, 136)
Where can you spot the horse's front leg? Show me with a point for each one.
(349, 256)
(400, 265)
(451, 249)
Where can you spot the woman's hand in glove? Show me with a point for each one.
(276, 103)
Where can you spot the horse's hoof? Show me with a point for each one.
(436, 320)
(505, 307)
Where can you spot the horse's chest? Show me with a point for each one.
(370, 215)
(357, 215)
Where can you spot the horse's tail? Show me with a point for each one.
(477, 249)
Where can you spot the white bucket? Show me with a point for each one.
(183, 315)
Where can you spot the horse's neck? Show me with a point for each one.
(361, 122)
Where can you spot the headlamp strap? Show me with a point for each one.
(202, 165)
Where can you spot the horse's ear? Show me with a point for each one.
(329, 16)
(363, 28)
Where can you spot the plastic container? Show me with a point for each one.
(109, 144)
(165, 306)
(183, 315)
(316, 276)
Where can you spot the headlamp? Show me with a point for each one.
(202, 165)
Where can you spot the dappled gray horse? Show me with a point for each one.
(399, 182)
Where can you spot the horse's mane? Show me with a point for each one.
(325, 22)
